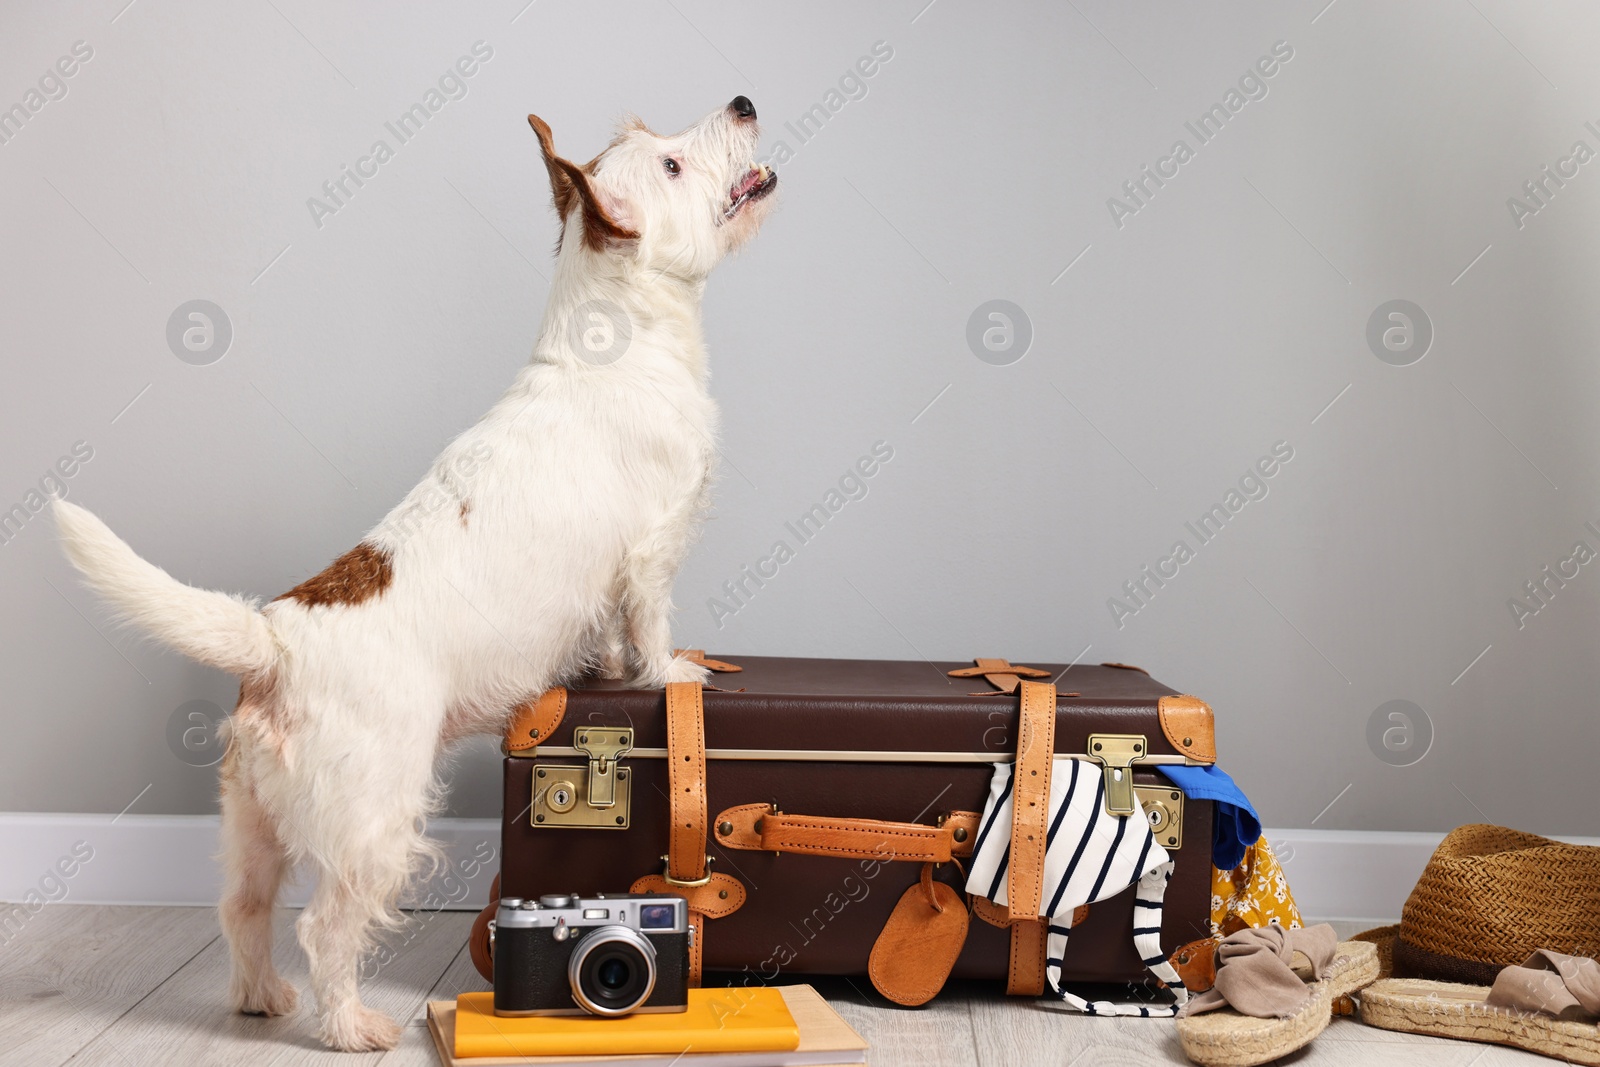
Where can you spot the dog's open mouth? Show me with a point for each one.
(756, 183)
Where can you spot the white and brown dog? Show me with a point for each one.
(544, 542)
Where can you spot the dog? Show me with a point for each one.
(543, 543)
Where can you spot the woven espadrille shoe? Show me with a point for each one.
(1274, 992)
(1549, 1005)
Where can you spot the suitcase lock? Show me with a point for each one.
(1117, 753)
(593, 796)
(1163, 809)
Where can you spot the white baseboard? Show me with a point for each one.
(169, 859)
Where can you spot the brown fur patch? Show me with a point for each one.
(260, 716)
(257, 691)
(599, 227)
(560, 186)
(466, 507)
(569, 183)
(357, 576)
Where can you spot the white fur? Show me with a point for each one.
(224, 630)
(545, 541)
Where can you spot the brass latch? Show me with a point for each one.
(1117, 753)
(591, 796)
(604, 747)
(1163, 809)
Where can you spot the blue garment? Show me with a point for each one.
(1237, 826)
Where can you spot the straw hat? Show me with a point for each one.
(1488, 899)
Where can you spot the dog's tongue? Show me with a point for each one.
(752, 178)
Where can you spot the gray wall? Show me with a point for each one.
(1187, 339)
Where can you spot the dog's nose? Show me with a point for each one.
(742, 107)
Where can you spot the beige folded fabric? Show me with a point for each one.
(1282, 1019)
(1566, 987)
(1254, 972)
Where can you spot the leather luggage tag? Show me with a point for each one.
(919, 944)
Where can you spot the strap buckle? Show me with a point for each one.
(666, 875)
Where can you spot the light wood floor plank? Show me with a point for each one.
(416, 1046)
(938, 1035)
(73, 970)
(188, 1019)
(1037, 1033)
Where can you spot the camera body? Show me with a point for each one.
(609, 954)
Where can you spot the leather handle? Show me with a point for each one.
(686, 781)
(1000, 673)
(757, 826)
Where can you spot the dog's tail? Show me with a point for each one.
(219, 629)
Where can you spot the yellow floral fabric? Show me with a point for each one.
(1253, 894)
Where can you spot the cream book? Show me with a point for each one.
(824, 1039)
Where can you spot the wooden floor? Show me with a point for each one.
(131, 986)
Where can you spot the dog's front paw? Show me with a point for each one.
(676, 669)
(360, 1029)
(682, 670)
(269, 996)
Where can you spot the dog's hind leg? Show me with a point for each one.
(334, 930)
(254, 863)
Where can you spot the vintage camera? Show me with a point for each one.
(610, 954)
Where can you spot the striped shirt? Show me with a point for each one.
(1090, 855)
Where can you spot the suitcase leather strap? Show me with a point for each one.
(1026, 975)
(997, 915)
(1030, 813)
(760, 827)
(688, 869)
(686, 783)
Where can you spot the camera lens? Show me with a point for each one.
(612, 971)
(614, 974)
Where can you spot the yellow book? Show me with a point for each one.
(718, 1020)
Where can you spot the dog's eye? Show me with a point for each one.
(671, 165)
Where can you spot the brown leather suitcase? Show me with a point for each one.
(818, 791)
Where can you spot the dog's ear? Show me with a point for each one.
(569, 184)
